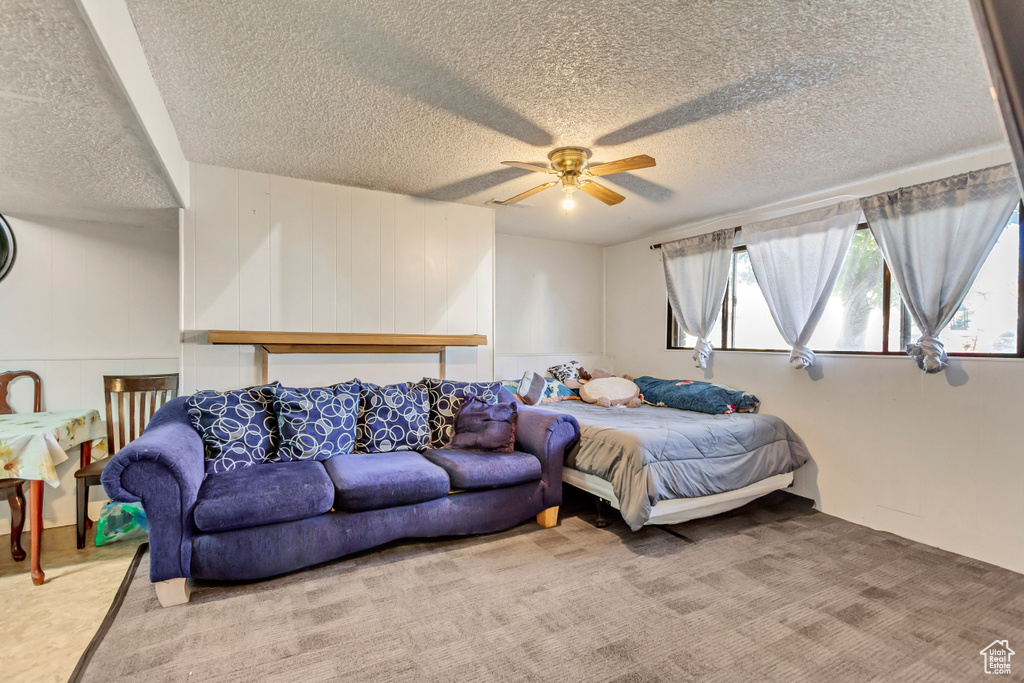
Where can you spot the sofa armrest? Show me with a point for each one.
(163, 469)
(548, 436)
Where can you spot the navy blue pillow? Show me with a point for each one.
(317, 423)
(446, 397)
(392, 418)
(238, 427)
(485, 427)
(701, 397)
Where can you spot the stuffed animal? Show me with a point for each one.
(611, 391)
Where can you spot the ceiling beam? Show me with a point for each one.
(112, 28)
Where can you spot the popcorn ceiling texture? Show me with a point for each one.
(70, 145)
(742, 103)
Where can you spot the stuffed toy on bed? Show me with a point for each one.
(611, 391)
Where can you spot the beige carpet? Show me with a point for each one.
(45, 628)
(772, 592)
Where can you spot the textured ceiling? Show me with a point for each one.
(742, 103)
(70, 145)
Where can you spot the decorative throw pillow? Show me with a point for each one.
(392, 418)
(566, 371)
(446, 398)
(554, 391)
(485, 427)
(701, 397)
(318, 423)
(238, 427)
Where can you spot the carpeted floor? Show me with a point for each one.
(774, 591)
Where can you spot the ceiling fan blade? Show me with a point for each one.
(529, 167)
(629, 164)
(529, 193)
(598, 191)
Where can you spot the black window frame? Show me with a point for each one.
(887, 294)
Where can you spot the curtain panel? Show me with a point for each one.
(796, 261)
(696, 274)
(935, 238)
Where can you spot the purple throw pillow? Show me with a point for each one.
(485, 427)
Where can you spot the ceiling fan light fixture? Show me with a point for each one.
(568, 203)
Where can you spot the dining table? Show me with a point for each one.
(32, 444)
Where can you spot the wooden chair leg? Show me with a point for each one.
(16, 497)
(82, 496)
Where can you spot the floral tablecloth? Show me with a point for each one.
(32, 443)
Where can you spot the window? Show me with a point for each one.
(865, 313)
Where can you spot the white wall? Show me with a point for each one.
(84, 300)
(933, 458)
(263, 252)
(549, 305)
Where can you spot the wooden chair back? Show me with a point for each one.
(131, 401)
(6, 378)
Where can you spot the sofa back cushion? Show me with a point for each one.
(238, 427)
(316, 423)
(482, 426)
(446, 397)
(392, 418)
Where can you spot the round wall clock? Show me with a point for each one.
(8, 250)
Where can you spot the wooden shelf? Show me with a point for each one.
(267, 343)
(328, 339)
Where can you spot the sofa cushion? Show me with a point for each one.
(264, 494)
(392, 418)
(446, 398)
(372, 481)
(238, 427)
(317, 423)
(469, 470)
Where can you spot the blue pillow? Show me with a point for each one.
(446, 397)
(238, 427)
(318, 423)
(701, 397)
(554, 390)
(392, 418)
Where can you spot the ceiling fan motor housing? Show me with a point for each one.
(570, 162)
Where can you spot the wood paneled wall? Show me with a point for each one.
(85, 300)
(263, 252)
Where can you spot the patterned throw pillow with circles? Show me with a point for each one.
(238, 427)
(318, 423)
(446, 397)
(392, 418)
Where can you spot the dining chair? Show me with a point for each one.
(130, 402)
(15, 487)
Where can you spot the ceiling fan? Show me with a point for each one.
(572, 166)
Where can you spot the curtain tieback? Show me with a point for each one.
(702, 352)
(802, 357)
(929, 353)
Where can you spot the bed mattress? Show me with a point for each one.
(651, 454)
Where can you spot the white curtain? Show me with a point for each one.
(935, 237)
(696, 273)
(796, 260)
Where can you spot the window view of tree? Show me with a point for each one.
(853, 319)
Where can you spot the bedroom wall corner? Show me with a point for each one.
(549, 305)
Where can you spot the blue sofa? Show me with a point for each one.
(269, 519)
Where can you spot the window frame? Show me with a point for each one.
(887, 293)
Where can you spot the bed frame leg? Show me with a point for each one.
(602, 521)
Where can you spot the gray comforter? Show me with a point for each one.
(652, 454)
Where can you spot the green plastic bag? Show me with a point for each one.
(121, 521)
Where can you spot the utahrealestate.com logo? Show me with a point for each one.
(997, 657)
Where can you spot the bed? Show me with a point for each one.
(665, 466)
